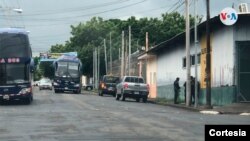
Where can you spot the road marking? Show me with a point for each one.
(210, 112)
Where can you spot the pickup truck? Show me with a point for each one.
(132, 87)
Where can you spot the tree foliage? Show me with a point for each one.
(88, 36)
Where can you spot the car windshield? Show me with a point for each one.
(15, 45)
(14, 74)
(111, 79)
(45, 81)
(134, 80)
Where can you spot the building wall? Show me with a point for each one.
(222, 67)
(152, 76)
(222, 57)
(169, 66)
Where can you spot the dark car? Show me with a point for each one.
(107, 85)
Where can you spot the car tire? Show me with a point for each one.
(56, 91)
(123, 97)
(137, 99)
(89, 88)
(117, 97)
(100, 93)
(144, 99)
(28, 100)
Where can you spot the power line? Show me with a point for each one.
(91, 14)
(62, 11)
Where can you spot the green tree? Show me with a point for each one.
(88, 36)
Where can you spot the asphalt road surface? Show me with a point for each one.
(87, 116)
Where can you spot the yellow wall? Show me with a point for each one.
(203, 61)
(152, 76)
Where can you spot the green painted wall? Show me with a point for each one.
(220, 95)
(167, 92)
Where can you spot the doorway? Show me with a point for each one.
(243, 60)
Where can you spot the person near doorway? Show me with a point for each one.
(176, 90)
(184, 85)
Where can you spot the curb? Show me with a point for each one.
(176, 106)
(244, 114)
(210, 112)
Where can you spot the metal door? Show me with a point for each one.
(243, 51)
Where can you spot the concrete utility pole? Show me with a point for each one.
(94, 68)
(122, 56)
(129, 50)
(98, 65)
(119, 57)
(105, 55)
(188, 85)
(196, 59)
(146, 42)
(110, 43)
(126, 57)
(208, 59)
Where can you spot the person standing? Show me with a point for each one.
(176, 89)
(192, 90)
(184, 85)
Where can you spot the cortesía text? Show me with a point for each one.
(213, 132)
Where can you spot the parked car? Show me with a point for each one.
(45, 83)
(107, 85)
(132, 87)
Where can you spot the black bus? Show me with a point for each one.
(16, 65)
(68, 74)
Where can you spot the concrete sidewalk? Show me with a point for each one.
(235, 108)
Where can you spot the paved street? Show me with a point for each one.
(63, 117)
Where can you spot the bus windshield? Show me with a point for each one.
(14, 45)
(67, 69)
(13, 74)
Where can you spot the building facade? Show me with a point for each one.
(230, 62)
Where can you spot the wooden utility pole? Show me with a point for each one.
(208, 59)
(188, 85)
(105, 55)
(122, 55)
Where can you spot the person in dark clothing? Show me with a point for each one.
(176, 89)
(192, 90)
(184, 85)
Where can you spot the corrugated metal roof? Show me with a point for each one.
(214, 22)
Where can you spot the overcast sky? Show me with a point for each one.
(49, 20)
